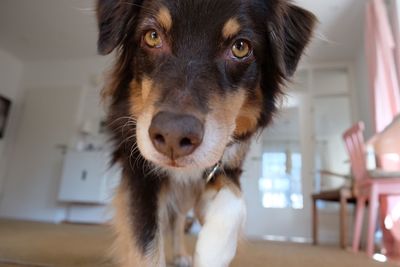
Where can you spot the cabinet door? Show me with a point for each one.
(83, 178)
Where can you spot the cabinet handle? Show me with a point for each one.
(83, 175)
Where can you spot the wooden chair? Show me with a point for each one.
(368, 186)
(343, 195)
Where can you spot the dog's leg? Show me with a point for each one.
(182, 199)
(130, 250)
(181, 257)
(222, 212)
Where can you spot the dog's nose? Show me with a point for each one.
(175, 135)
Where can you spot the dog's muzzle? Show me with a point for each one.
(175, 135)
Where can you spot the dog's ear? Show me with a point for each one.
(298, 28)
(112, 18)
(294, 33)
(289, 30)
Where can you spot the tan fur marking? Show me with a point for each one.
(136, 99)
(164, 18)
(249, 114)
(142, 95)
(222, 181)
(235, 155)
(226, 109)
(125, 252)
(210, 192)
(147, 84)
(231, 28)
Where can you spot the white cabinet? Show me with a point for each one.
(87, 178)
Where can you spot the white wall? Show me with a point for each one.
(63, 73)
(56, 75)
(363, 91)
(48, 120)
(87, 74)
(11, 70)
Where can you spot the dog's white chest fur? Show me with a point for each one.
(185, 176)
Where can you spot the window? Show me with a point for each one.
(280, 184)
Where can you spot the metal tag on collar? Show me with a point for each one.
(213, 171)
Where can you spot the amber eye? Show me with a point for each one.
(152, 39)
(241, 49)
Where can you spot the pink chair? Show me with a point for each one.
(368, 185)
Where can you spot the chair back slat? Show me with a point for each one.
(354, 141)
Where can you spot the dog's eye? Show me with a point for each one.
(241, 49)
(152, 39)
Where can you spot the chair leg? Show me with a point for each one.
(314, 222)
(343, 221)
(372, 220)
(358, 223)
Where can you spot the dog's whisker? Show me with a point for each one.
(137, 161)
(129, 118)
(131, 130)
(134, 149)
(152, 168)
(127, 139)
(123, 131)
(141, 6)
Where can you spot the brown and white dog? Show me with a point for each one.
(194, 80)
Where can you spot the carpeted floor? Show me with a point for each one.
(29, 244)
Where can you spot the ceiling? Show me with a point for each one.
(340, 31)
(66, 29)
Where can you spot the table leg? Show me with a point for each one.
(314, 221)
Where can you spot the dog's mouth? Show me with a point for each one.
(173, 164)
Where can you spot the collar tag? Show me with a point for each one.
(213, 171)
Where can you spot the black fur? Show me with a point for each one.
(144, 190)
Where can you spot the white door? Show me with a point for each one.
(273, 183)
(49, 119)
(281, 171)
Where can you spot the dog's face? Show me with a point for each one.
(194, 75)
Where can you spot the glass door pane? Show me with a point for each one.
(280, 183)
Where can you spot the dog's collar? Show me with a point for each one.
(218, 166)
(214, 170)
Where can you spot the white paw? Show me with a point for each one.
(183, 261)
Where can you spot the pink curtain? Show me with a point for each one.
(380, 47)
(396, 33)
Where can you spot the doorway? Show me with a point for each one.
(282, 168)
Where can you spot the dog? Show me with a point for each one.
(193, 82)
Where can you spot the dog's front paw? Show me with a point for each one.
(183, 261)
